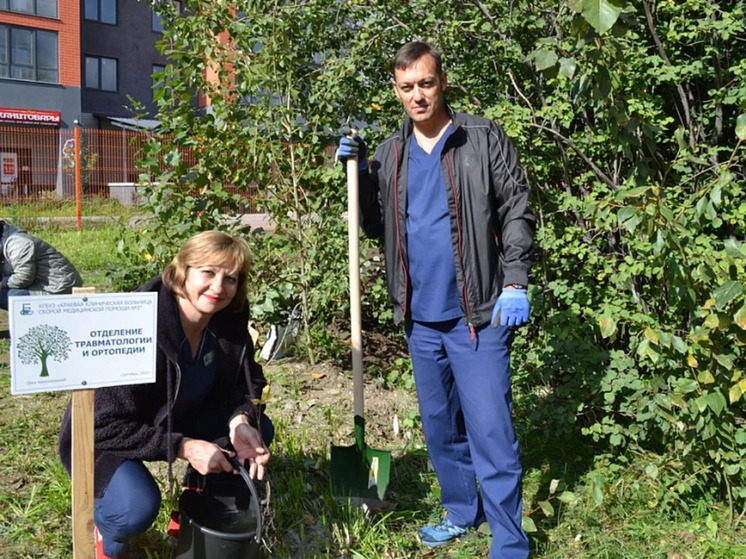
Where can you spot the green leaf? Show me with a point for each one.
(732, 469)
(686, 386)
(705, 377)
(741, 127)
(701, 402)
(679, 345)
(727, 292)
(735, 393)
(635, 192)
(659, 242)
(740, 317)
(601, 14)
(546, 508)
(567, 67)
(651, 335)
(568, 497)
(734, 249)
(628, 218)
(528, 524)
(725, 360)
(608, 326)
(716, 402)
(544, 58)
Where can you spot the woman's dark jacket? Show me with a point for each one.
(133, 422)
(492, 228)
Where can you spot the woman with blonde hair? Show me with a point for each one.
(207, 385)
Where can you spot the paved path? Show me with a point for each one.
(256, 221)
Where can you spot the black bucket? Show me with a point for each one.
(220, 518)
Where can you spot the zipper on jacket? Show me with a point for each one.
(472, 330)
(398, 230)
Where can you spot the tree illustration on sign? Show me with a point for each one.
(41, 343)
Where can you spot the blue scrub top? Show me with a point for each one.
(432, 269)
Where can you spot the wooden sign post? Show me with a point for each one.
(82, 466)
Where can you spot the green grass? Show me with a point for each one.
(308, 521)
(92, 250)
(50, 206)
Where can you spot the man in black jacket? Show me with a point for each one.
(449, 197)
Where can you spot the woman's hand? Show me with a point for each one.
(248, 444)
(205, 457)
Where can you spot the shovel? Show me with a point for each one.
(358, 471)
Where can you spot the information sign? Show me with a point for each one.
(69, 342)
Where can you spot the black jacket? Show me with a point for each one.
(492, 228)
(134, 422)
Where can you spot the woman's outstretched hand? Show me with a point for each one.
(248, 444)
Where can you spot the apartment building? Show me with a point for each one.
(78, 58)
(65, 63)
(40, 62)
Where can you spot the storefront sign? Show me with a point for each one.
(30, 116)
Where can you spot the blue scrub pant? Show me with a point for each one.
(132, 499)
(464, 393)
(9, 292)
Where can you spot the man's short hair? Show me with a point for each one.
(411, 52)
(210, 248)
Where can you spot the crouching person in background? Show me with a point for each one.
(31, 266)
(207, 387)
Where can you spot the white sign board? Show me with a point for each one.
(8, 167)
(71, 342)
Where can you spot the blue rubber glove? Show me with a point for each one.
(353, 147)
(511, 309)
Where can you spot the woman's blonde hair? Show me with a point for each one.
(210, 248)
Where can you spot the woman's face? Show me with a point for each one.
(208, 289)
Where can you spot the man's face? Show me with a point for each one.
(421, 90)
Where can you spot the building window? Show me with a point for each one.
(28, 54)
(101, 73)
(157, 22)
(104, 11)
(44, 8)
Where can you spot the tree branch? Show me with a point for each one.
(603, 177)
(664, 56)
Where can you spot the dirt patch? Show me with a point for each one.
(322, 396)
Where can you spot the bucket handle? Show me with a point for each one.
(254, 494)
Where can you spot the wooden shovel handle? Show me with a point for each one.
(355, 320)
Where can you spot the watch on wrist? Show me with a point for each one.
(516, 286)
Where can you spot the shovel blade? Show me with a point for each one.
(360, 471)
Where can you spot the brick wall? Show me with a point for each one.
(67, 26)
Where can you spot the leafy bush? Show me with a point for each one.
(629, 117)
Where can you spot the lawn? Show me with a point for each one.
(312, 409)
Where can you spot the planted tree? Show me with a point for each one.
(270, 82)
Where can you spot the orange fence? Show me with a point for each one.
(38, 164)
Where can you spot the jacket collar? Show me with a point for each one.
(408, 126)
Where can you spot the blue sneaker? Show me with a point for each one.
(434, 535)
